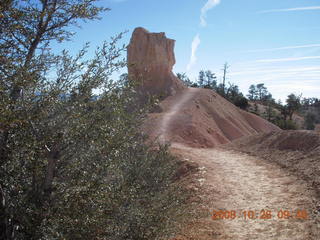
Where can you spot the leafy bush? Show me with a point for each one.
(286, 124)
(241, 102)
(310, 120)
(74, 165)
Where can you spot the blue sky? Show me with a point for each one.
(264, 41)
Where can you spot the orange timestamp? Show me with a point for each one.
(262, 214)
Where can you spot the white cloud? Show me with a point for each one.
(287, 59)
(281, 81)
(291, 9)
(194, 47)
(210, 4)
(284, 48)
(291, 70)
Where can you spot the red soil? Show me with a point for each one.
(202, 118)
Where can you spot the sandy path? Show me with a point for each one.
(235, 181)
(187, 95)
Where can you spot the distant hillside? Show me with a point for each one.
(272, 114)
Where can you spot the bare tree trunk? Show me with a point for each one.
(53, 157)
(225, 70)
(6, 226)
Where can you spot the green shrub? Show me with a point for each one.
(74, 165)
(286, 124)
(310, 120)
(241, 102)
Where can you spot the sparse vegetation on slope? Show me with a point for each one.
(296, 113)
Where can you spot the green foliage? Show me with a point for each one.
(293, 104)
(270, 113)
(259, 92)
(310, 120)
(201, 78)
(74, 165)
(285, 124)
(241, 102)
(255, 108)
(184, 78)
(310, 109)
(252, 92)
(207, 79)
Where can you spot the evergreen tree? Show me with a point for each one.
(261, 91)
(185, 79)
(293, 104)
(210, 80)
(252, 92)
(201, 79)
(309, 122)
(207, 79)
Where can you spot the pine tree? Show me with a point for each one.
(201, 79)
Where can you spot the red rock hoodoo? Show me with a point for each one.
(150, 62)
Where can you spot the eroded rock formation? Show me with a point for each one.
(150, 62)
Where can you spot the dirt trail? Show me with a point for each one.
(235, 181)
(167, 118)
